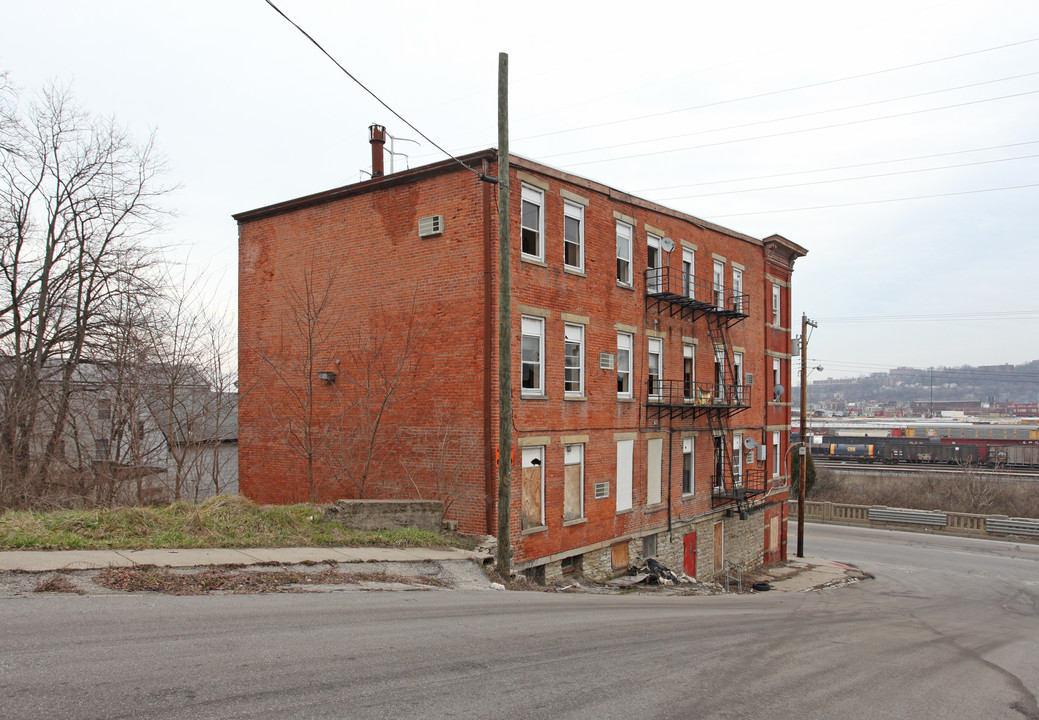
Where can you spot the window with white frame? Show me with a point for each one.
(737, 460)
(532, 223)
(737, 368)
(573, 236)
(719, 375)
(573, 481)
(624, 365)
(687, 466)
(654, 465)
(688, 372)
(776, 457)
(573, 360)
(719, 284)
(533, 487)
(777, 379)
(737, 290)
(655, 368)
(654, 270)
(624, 235)
(688, 270)
(625, 455)
(775, 305)
(532, 356)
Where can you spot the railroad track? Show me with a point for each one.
(1017, 474)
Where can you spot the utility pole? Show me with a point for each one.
(803, 450)
(503, 556)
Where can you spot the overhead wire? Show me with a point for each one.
(376, 97)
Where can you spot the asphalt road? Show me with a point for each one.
(949, 629)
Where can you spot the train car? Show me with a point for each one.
(845, 451)
(1014, 456)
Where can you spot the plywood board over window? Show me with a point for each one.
(533, 488)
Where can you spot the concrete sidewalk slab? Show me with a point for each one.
(187, 557)
(804, 574)
(50, 560)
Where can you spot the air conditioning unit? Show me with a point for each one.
(605, 361)
(431, 225)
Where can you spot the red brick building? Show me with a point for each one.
(651, 359)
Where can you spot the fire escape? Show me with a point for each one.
(690, 403)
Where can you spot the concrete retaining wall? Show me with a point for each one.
(388, 514)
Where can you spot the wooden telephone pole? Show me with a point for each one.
(503, 556)
(803, 450)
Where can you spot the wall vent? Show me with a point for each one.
(605, 361)
(749, 380)
(431, 225)
(602, 490)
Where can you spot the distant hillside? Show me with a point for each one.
(987, 384)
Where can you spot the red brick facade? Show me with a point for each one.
(409, 326)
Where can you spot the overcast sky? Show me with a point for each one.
(897, 141)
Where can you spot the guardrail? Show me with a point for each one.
(944, 523)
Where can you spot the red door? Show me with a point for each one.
(689, 556)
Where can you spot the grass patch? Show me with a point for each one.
(223, 521)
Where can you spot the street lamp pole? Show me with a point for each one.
(803, 450)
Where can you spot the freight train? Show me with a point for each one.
(901, 450)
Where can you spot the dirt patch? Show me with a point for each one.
(58, 583)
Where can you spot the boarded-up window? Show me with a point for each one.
(625, 454)
(573, 482)
(619, 555)
(533, 487)
(654, 456)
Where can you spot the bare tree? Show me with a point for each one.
(77, 197)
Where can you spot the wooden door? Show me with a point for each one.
(719, 549)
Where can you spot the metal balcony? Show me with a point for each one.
(677, 399)
(689, 296)
(730, 487)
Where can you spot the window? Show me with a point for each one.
(104, 409)
(623, 365)
(573, 482)
(624, 233)
(532, 223)
(775, 306)
(737, 367)
(688, 371)
(533, 367)
(573, 236)
(737, 290)
(625, 452)
(737, 461)
(777, 379)
(688, 268)
(655, 367)
(654, 271)
(533, 487)
(776, 457)
(719, 461)
(573, 360)
(687, 466)
(719, 284)
(654, 462)
(649, 546)
(102, 447)
(719, 375)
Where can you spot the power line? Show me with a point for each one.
(791, 132)
(795, 117)
(377, 98)
(777, 92)
(875, 202)
(850, 179)
(835, 167)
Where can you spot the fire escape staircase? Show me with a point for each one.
(692, 299)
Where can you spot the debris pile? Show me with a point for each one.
(651, 573)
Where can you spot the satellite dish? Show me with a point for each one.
(668, 244)
(777, 392)
(749, 444)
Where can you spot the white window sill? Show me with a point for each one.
(629, 511)
(533, 530)
(626, 399)
(575, 521)
(574, 271)
(533, 260)
(576, 398)
(533, 397)
(656, 506)
(626, 286)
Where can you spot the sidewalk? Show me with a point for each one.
(51, 560)
(809, 573)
